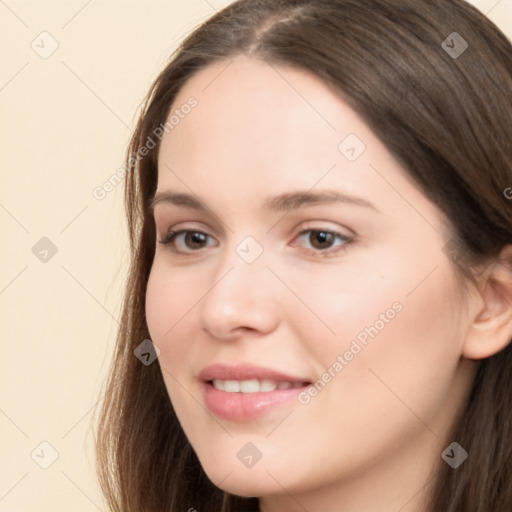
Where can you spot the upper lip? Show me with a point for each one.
(245, 372)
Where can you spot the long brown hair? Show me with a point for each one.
(445, 115)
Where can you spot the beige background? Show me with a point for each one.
(65, 121)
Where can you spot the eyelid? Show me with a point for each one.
(181, 226)
(324, 225)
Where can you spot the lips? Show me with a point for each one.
(246, 392)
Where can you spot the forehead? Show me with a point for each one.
(261, 130)
(260, 115)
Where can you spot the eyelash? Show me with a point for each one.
(171, 236)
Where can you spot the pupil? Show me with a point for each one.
(321, 239)
(195, 239)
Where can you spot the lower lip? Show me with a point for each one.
(246, 406)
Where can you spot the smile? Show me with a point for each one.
(253, 385)
(245, 392)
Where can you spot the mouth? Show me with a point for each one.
(254, 385)
(244, 392)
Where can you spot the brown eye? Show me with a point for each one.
(321, 239)
(187, 241)
(195, 239)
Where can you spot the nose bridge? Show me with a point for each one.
(239, 280)
(241, 266)
(240, 295)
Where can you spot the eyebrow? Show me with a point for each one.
(176, 199)
(283, 202)
(295, 200)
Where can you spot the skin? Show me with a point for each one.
(372, 438)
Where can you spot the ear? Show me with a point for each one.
(491, 328)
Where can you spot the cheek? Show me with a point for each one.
(168, 301)
(398, 335)
(394, 387)
(398, 361)
(157, 296)
(423, 345)
(168, 305)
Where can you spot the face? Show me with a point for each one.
(305, 311)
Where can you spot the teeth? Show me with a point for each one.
(218, 384)
(232, 386)
(268, 385)
(249, 386)
(252, 385)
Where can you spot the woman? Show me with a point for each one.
(317, 315)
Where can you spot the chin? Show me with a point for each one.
(244, 482)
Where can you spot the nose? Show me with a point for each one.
(242, 299)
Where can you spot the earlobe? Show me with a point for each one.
(491, 328)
